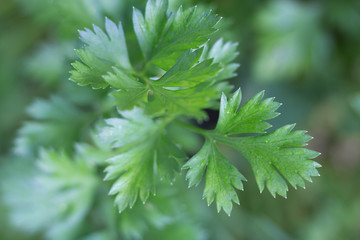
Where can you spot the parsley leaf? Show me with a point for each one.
(163, 37)
(187, 72)
(149, 28)
(221, 176)
(275, 157)
(54, 197)
(181, 76)
(101, 53)
(224, 54)
(248, 119)
(169, 40)
(50, 126)
(130, 90)
(144, 156)
(190, 102)
(185, 88)
(270, 154)
(279, 156)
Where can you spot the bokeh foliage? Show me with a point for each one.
(304, 52)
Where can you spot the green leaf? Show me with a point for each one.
(102, 52)
(131, 91)
(221, 176)
(149, 29)
(122, 132)
(156, 214)
(278, 156)
(146, 155)
(54, 197)
(169, 158)
(89, 72)
(187, 72)
(248, 119)
(109, 46)
(133, 170)
(50, 126)
(189, 102)
(121, 79)
(48, 64)
(274, 157)
(127, 99)
(185, 88)
(224, 54)
(163, 38)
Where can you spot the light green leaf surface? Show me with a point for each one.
(186, 88)
(275, 157)
(222, 178)
(146, 156)
(102, 51)
(109, 46)
(278, 157)
(130, 91)
(148, 29)
(163, 37)
(250, 118)
(54, 197)
(187, 72)
(224, 54)
(190, 102)
(50, 126)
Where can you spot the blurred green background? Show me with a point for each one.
(305, 53)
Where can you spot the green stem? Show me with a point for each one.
(192, 128)
(223, 139)
(145, 67)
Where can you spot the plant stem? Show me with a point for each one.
(192, 128)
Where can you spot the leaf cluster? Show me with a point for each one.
(179, 76)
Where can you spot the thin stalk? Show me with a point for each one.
(192, 128)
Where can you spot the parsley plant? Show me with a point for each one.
(179, 77)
